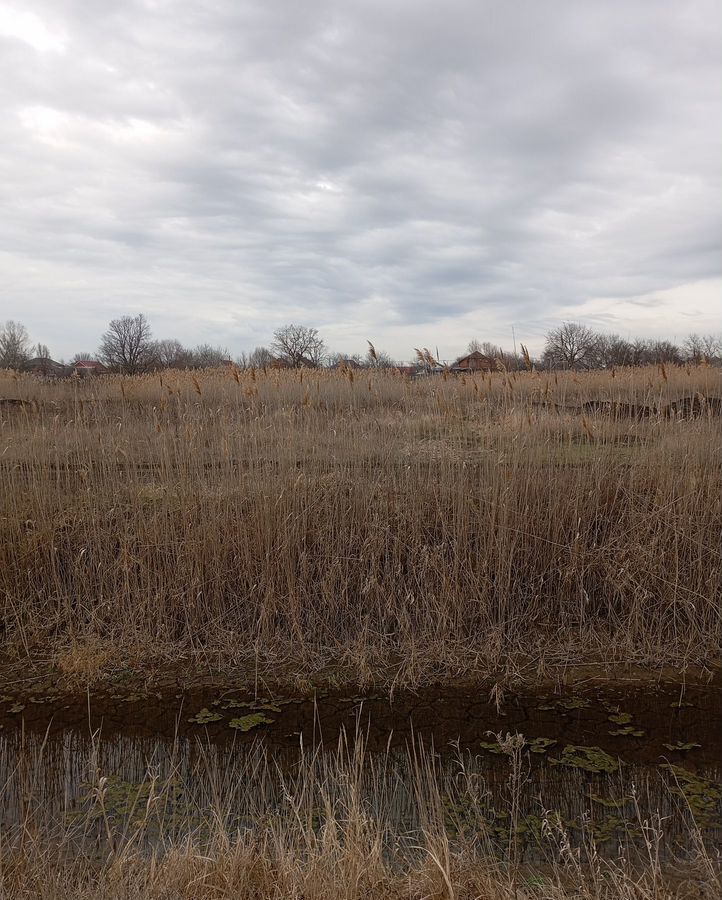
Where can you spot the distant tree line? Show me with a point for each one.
(128, 346)
(573, 345)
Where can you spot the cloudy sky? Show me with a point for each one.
(416, 173)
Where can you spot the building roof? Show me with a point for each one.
(346, 363)
(88, 364)
(43, 361)
(476, 359)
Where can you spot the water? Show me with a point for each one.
(597, 761)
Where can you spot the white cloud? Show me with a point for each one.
(24, 25)
(401, 172)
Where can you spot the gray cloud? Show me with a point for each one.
(411, 172)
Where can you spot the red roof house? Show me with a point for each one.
(88, 367)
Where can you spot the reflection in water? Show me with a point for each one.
(172, 786)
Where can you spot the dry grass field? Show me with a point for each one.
(362, 523)
(339, 824)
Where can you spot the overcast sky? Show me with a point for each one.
(417, 173)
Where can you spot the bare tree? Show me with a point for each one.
(700, 348)
(571, 346)
(486, 347)
(127, 345)
(641, 352)
(206, 356)
(298, 345)
(712, 348)
(14, 345)
(41, 351)
(171, 354)
(613, 350)
(260, 357)
(664, 352)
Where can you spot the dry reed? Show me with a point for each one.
(380, 526)
(333, 825)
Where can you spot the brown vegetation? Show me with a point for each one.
(333, 824)
(386, 526)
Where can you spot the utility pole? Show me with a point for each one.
(513, 337)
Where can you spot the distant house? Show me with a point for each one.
(474, 362)
(407, 370)
(346, 363)
(87, 368)
(43, 365)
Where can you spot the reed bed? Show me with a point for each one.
(363, 523)
(338, 823)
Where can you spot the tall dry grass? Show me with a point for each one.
(362, 521)
(334, 825)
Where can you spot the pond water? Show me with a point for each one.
(597, 761)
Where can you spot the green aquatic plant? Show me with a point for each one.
(490, 746)
(204, 716)
(620, 718)
(256, 705)
(131, 801)
(567, 704)
(610, 828)
(16, 707)
(590, 759)
(574, 703)
(540, 744)
(253, 720)
(629, 730)
(684, 747)
(702, 795)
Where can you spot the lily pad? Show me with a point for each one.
(541, 744)
(590, 759)
(567, 704)
(256, 705)
(702, 795)
(490, 746)
(680, 745)
(621, 718)
(573, 703)
(631, 730)
(204, 716)
(246, 723)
